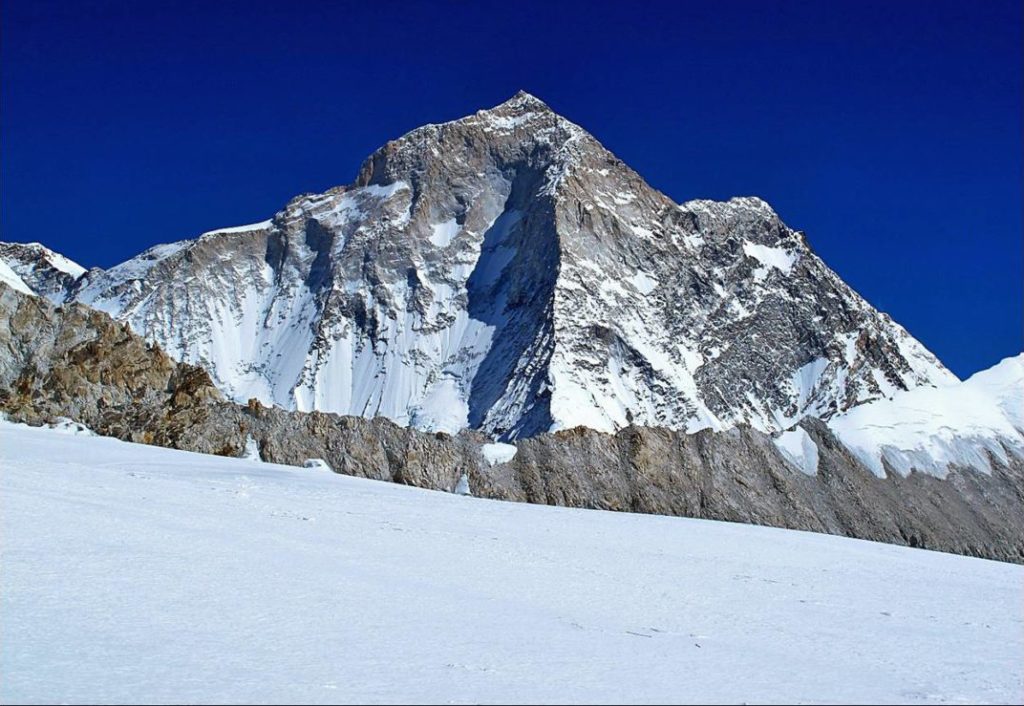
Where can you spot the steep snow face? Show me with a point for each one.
(798, 447)
(9, 277)
(506, 272)
(929, 429)
(44, 272)
(308, 587)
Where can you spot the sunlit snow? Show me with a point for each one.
(138, 573)
(11, 279)
(498, 453)
(799, 449)
(780, 259)
(928, 428)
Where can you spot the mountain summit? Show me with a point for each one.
(506, 272)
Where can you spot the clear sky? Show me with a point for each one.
(890, 132)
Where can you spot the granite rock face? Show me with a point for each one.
(75, 362)
(505, 272)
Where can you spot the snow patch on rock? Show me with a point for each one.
(799, 449)
(262, 225)
(498, 453)
(64, 425)
(779, 258)
(644, 283)
(442, 234)
(252, 449)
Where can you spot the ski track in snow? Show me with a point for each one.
(133, 572)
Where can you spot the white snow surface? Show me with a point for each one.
(779, 258)
(799, 449)
(644, 283)
(262, 225)
(12, 280)
(498, 453)
(60, 262)
(56, 260)
(133, 572)
(252, 449)
(64, 425)
(1003, 384)
(442, 234)
(928, 428)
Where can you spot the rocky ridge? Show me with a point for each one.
(41, 270)
(74, 361)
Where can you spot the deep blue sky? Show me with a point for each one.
(889, 131)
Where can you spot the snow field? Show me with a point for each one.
(132, 572)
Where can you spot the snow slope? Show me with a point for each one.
(132, 572)
(9, 277)
(927, 428)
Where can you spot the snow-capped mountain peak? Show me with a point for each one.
(506, 272)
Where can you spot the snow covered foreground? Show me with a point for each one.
(137, 573)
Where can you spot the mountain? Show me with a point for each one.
(505, 272)
(75, 362)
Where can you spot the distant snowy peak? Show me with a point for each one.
(53, 259)
(44, 272)
(506, 272)
(930, 430)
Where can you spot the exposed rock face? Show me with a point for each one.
(505, 272)
(78, 360)
(72, 361)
